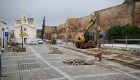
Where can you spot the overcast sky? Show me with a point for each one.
(55, 11)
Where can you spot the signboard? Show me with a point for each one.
(21, 30)
(103, 34)
(21, 35)
(6, 34)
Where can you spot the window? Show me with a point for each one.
(79, 38)
(25, 29)
(24, 19)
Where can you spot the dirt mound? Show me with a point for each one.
(79, 62)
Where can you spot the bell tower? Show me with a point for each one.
(24, 19)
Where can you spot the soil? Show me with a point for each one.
(96, 51)
(137, 62)
(107, 53)
(123, 57)
(137, 54)
(136, 74)
(125, 64)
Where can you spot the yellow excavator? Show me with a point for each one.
(53, 40)
(84, 41)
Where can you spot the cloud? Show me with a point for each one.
(55, 11)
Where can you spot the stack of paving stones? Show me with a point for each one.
(79, 62)
(52, 48)
(55, 51)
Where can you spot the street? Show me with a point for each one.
(45, 62)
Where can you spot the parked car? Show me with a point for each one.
(32, 42)
(58, 41)
(47, 41)
(40, 42)
(10, 42)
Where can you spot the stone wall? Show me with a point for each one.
(50, 31)
(61, 30)
(128, 13)
(136, 14)
(83, 22)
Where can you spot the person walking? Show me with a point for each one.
(73, 42)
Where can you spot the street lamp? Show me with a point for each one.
(66, 34)
(55, 31)
(3, 36)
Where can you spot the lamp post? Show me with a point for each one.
(3, 36)
(66, 34)
(55, 31)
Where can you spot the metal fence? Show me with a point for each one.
(121, 42)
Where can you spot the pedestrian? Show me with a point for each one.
(73, 42)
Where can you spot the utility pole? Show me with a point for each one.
(22, 37)
(3, 36)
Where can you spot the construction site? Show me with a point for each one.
(85, 48)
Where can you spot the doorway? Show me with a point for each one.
(25, 40)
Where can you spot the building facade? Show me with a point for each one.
(3, 29)
(28, 29)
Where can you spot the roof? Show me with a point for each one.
(2, 21)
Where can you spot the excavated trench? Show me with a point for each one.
(120, 58)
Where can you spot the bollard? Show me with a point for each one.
(100, 58)
(0, 66)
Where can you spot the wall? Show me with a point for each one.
(50, 32)
(61, 30)
(128, 13)
(119, 15)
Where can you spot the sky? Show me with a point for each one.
(55, 11)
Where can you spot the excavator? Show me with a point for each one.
(53, 40)
(84, 41)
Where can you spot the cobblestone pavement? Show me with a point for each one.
(38, 64)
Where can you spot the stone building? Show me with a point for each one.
(28, 29)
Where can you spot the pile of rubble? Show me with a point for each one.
(56, 52)
(52, 48)
(79, 62)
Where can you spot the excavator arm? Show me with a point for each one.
(94, 23)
